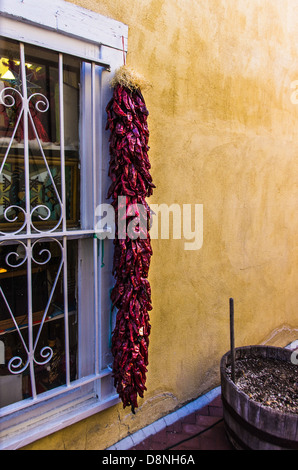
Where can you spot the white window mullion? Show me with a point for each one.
(62, 146)
(96, 316)
(66, 313)
(30, 318)
(64, 228)
(26, 139)
(28, 220)
(95, 241)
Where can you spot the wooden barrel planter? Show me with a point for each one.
(250, 425)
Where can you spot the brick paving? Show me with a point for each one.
(201, 430)
(200, 427)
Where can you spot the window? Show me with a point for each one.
(54, 271)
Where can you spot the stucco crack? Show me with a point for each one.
(122, 424)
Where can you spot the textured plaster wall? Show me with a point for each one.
(223, 133)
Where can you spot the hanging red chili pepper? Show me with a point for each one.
(129, 171)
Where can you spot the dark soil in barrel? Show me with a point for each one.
(270, 382)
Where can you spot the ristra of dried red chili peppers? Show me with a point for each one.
(129, 171)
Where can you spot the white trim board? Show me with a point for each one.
(63, 17)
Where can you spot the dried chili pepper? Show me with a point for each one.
(129, 171)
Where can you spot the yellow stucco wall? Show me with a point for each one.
(223, 133)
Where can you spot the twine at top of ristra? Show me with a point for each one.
(129, 78)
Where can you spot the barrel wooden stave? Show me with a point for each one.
(249, 425)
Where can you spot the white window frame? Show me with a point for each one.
(68, 29)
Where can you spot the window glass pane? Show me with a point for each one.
(38, 169)
(71, 95)
(11, 186)
(44, 140)
(47, 316)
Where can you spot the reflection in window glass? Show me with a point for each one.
(38, 274)
(44, 143)
(47, 314)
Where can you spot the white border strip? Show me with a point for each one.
(67, 18)
(61, 420)
(139, 436)
(293, 345)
